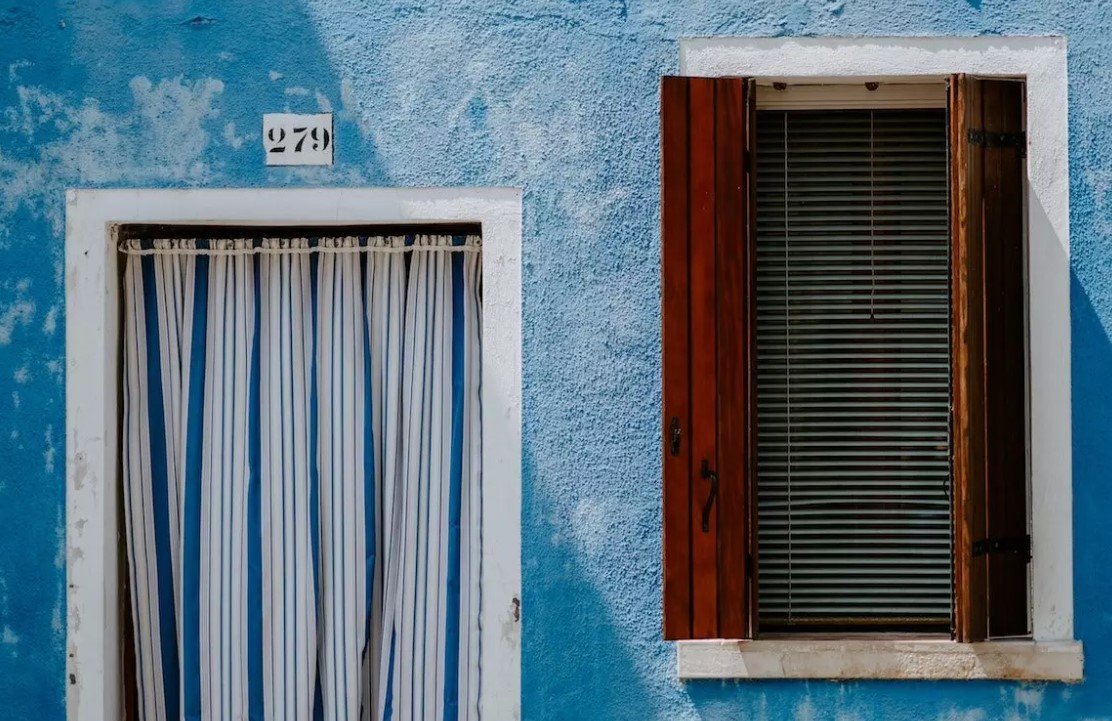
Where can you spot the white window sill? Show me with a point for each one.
(880, 659)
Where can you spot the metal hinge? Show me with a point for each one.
(986, 139)
(1017, 545)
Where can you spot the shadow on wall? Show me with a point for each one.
(135, 94)
(1092, 489)
(575, 662)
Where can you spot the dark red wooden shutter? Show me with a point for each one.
(706, 331)
(991, 560)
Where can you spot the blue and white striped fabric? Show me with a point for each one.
(302, 477)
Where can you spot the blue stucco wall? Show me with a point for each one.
(558, 97)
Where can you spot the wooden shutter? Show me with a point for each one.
(992, 546)
(707, 426)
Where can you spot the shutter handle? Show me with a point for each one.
(706, 472)
(674, 436)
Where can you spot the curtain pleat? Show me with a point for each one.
(222, 487)
(469, 437)
(385, 290)
(289, 621)
(301, 473)
(141, 391)
(342, 478)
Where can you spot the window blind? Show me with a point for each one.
(853, 368)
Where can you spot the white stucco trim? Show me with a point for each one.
(1042, 61)
(889, 659)
(92, 380)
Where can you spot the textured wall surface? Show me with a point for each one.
(558, 97)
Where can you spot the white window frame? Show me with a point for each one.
(1052, 652)
(92, 415)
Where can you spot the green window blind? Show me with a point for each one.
(853, 368)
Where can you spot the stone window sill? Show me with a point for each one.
(880, 659)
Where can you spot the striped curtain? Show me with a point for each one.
(301, 477)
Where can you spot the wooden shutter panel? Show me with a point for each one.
(707, 424)
(989, 359)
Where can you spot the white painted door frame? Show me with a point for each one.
(92, 415)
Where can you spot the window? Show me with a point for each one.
(845, 383)
(852, 336)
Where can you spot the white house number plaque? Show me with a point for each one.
(297, 139)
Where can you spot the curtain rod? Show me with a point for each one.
(298, 246)
(146, 231)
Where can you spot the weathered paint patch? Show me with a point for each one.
(68, 143)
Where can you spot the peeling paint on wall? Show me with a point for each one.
(75, 143)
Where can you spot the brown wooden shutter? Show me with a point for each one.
(991, 549)
(707, 427)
